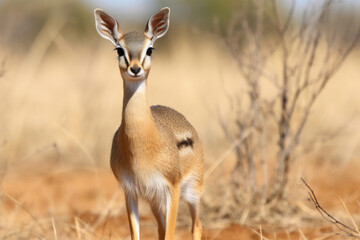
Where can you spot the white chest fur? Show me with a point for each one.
(151, 186)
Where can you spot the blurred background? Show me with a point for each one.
(61, 96)
(62, 93)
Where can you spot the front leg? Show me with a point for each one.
(133, 215)
(171, 213)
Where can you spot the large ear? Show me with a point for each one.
(107, 26)
(158, 24)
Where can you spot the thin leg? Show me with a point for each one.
(196, 229)
(171, 213)
(133, 216)
(160, 218)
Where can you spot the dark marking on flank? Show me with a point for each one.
(188, 142)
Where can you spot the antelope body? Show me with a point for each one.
(156, 153)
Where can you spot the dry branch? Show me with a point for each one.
(310, 51)
(21, 205)
(344, 229)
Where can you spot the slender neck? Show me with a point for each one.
(135, 96)
(136, 114)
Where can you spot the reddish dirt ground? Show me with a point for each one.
(89, 200)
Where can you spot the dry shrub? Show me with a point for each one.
(309, 51)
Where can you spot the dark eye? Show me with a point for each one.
(149, 51)
(120, 51)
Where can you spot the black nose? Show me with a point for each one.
(135, 69)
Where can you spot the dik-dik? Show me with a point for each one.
(156, 153)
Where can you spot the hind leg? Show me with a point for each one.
(191, 191)
(160, 218)
(196, 228)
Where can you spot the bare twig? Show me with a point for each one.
(54, 228)
(344, 229)
(212, 168)
(298, 59)
(21, 205)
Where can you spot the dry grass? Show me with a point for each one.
(86, 204)
(62, 103)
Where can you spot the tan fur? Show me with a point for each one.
(156, 153)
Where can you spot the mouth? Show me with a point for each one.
(136, 77)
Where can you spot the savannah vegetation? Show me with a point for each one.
(271, 87)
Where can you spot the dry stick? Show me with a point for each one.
(312, 46)
(302, 235)
(323, 83)
(349, 231)
(87, 230)
(36, 152)
(212, 168)
(251, 74)
(54, 228)
(289, 17)
(77, 226)
(35, 55)
(259, 234)
(105, 225)
(77, 143)
(305, 115)
(351, 218)
(216, 234)
(313, 43)
(105, 213)
(284, 124)
(25, 209)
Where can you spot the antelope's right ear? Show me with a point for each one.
(107, 26)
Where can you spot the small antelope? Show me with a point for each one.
(156, 153)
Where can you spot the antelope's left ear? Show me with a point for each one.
(158, 24)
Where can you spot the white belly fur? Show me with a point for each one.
(154, 187)
(151, 186)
